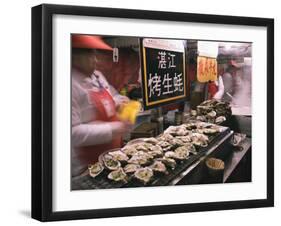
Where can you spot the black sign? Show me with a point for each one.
(163, 77)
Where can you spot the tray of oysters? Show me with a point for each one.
(145, 159)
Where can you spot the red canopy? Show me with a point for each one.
(89, 42)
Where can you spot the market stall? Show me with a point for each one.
(185, 129)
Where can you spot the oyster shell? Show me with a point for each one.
(131, 168)
(182, 153)
(201, 131)
(165, 137)
(169, 162)
(119, 156)
(118, 175)
(141, 158)
(176, 142)
(129, 150)
(170, 154)
(220, 119)
(181, 131)
(156, 151)
(200, 140)
(164, 144)
(142, 146)
(158, 167)
(210, 131)
(191, 148)
(190, 126)
(184, 139)
(212, 114)
(201, 118)
(95, 169)
(167, 148)
(199, 136)
(176, 130)
(171, 130)
(151, 140)
(144, 174)
(203, 110)
(111, 163)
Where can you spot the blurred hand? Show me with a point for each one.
(121, 127)
(122, 101)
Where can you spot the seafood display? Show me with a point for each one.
(145, 159)
(213, 111)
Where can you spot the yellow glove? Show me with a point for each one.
(129, 111)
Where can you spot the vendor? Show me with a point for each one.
(95, 126)
(229, 80)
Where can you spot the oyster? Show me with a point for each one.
(142, 146)
(220, 119)
(203, 125)
(190, 147)
(171, 130)
(158, 167)
(209, 102)
(131, 168)
(156, 151)
(201, 131)
(118, 175)
(119, 156)
(200, 143)
(190, 126)
(201, 118)
(169, 162)
(165, 137)
(95, 169)
(176, 142)
(184, 139)
(199, 136)
(167, 148)
(141, 158)
(181, 131)
(203, 110)
(111, 163)
(212, 114)
(182, 153)
(176, 130)
(209, 131)
(144, 174)
(129, 150)
(170, 154)
(151, 140)
(199, 139)
(164, 144)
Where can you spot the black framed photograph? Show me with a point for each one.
(145, 112)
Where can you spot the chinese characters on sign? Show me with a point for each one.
(206, 69)
(163, 75)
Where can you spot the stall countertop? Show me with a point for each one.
(236, 157)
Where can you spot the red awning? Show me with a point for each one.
(89, 42)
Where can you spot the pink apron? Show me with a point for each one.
(106, 112)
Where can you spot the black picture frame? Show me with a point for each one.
(42, 107)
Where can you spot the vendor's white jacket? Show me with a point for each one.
(83, 115)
